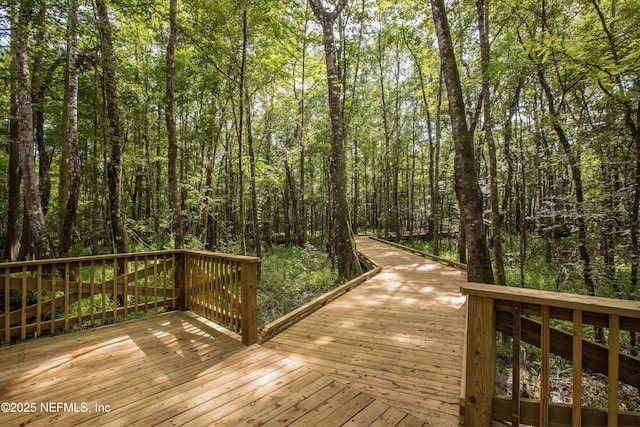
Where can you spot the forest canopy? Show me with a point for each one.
(133, 125)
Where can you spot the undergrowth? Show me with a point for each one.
(559, 271)
(291, 277)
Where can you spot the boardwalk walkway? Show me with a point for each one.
(387, 353)
(398, 337)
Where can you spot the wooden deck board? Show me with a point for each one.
(398, 337)
(388, 352)
(173, 369)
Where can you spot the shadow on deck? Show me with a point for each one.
(389, 352)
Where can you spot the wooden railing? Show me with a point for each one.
(526, 316)
(441, 260)
(272, 329)
(223, 288)
(60, 295)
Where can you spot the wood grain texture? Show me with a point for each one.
(177, 368)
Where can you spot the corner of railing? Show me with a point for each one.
(249, 306)
(480, 358)
(181, 278)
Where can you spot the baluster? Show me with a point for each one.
(545, 344)
(7, 305)
(103, 281)
(54, 275)
(67, 290)
(165, 283)
(23, 312)
(614, 356)
(80, 291)
(577, 368)
(125, 288)
(92, 308)
(136, 290)
(155, 282)
(515, 386)
(145, 266)
(115, 289)
(39, 301)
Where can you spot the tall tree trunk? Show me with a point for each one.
(12, 247)
(348, 263)
(466, 175)
(496, 223)
(70, 134)
(172, 134)
(434, 154)
(114, 165)
(242, 84)
(38, 87)
(33, 207)
(257, 238)
(267, 223)
(386, 209)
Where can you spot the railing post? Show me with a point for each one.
(249, 305)
(481, 356)
(180, 279)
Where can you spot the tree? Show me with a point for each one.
(466, 175)
(348, 264)
(33, 207)
(12, 248)
(114, 166)
(174, 190)
(70, 133)
(496, 223)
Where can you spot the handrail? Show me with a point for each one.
(272, 329)
(509, 310)
(36, 296)
(436, 258)
(102, 289)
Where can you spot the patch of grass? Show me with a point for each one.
(291, 277)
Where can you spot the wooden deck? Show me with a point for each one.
(387, 353)
(398, 337)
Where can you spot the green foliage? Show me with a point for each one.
(291, 277)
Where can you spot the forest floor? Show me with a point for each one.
(291, 277)
(594, 385)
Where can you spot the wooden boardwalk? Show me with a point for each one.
(387, 353)
(398, 337)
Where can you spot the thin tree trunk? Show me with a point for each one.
(172, 134)
(257, 238)
(386, 209)
(466, 175)
(114, 166)
(243, 83)
(496, 223)
(12, 247)
(38, 86)
(70, 139)
(435, 160)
